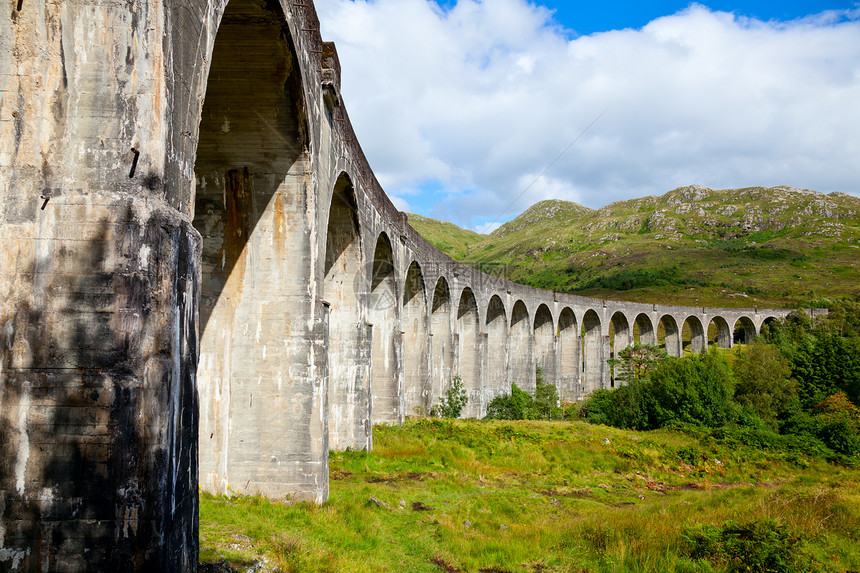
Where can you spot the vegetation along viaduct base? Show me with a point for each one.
(201, 281)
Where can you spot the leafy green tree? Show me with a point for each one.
(844, 317)
(513, 406)
(451, 405)
(835, 366)
(839, 421)
(623, 407)
(520, 405)
(695, 390)
(635, 362)
(545, 405)
(763, 381)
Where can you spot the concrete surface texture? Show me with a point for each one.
(196, 261)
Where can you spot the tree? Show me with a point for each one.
(764, 381)
(545, 404)
(452, 404)
(513, 406)
(637, 361)
(695, 390)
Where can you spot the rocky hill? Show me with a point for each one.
(756, 246)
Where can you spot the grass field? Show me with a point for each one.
(467, 495)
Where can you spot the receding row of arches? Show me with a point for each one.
(394, 349)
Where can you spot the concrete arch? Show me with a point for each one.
(248, 206)
(620, 337)
(416, 343)
(644, 330)
(544, 330)
(744, 330)
(386, 383)
(593, 352)
(569, 357)
(496, 380)
(698, 338)
(349, 376)
(442, 333)
(469, 356)
(669, 335)
(521, 358)
(722, 334)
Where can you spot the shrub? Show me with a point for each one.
(623, 407)
(545, 404)
(636, 362)
(839, 424)
(452, 404)
(695, 390)
(513, 406)
(520, 405)
(754, 546)
(763, 383)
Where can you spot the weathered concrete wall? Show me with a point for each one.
(99, 286)
(185, 210)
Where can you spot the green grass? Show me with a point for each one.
(538, 496)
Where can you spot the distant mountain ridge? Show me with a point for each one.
(734, 247)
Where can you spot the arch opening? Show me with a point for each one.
(769, 326)
(592, 353)
(496, 381)
(693, 334)
(386, 384)
(349, 382)
(744, 330)
(719, 332)
(521, 357)
(570, 361)
(643, 330)
(545, 343)
(442, 334)
(416, 343)
(250, 170)
(669, 336)
(468, 364)
(620, 337)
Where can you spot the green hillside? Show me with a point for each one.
(447, 237)
(737, 247)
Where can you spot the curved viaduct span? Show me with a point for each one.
(186, 213)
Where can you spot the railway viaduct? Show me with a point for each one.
(198, 266)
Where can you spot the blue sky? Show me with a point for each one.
(471, 111)
(590, 17)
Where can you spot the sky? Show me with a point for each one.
(471, 111)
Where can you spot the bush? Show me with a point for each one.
(624, 407)
(637, 361)
(763, 383)
(839, 424)
(520, 405)
(695, 390)
(452, 404)
(513, 406)
(545, 405)
(754, 546)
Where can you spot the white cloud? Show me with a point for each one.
(487, 228)
(481, 98)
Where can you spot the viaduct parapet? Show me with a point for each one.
(197, 263)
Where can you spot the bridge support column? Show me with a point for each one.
(605, 373)
(483, 390)
(98, 409)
